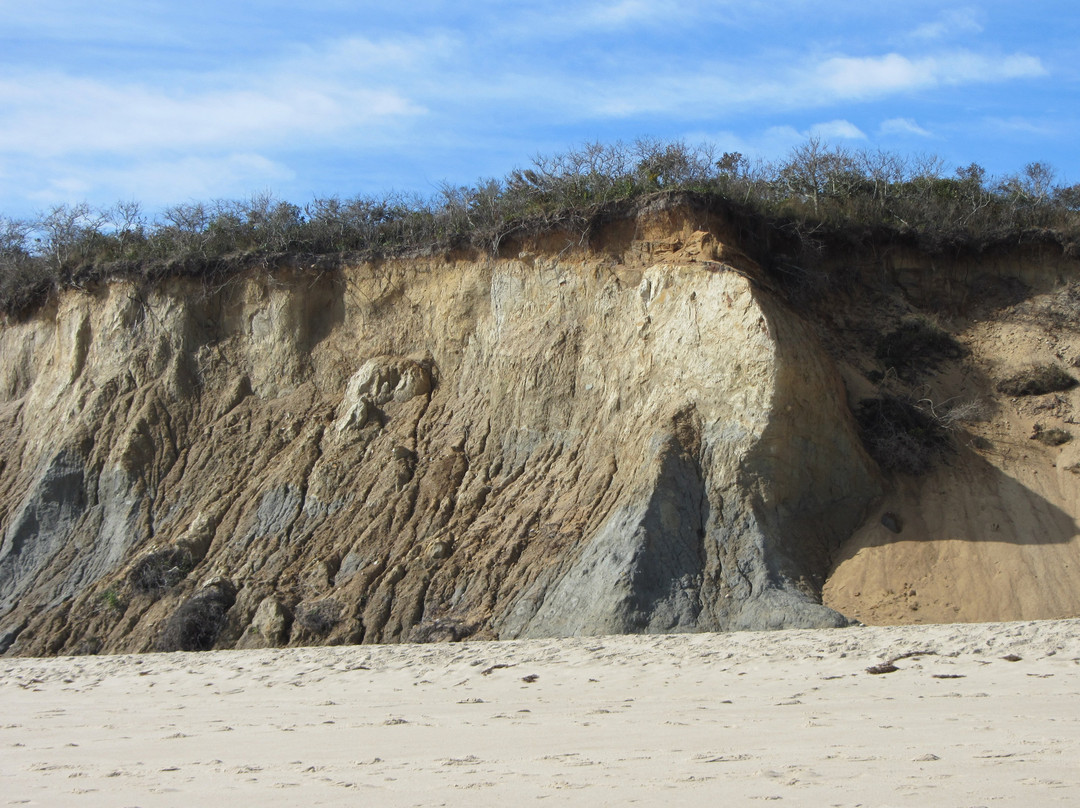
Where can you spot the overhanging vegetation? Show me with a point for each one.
(816, 195)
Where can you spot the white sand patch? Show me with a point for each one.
(689, 720)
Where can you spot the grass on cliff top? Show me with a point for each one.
(816, 198)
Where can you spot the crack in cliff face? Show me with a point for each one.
(484, 449)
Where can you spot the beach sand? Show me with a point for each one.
(988, 714)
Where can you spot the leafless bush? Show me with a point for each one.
(160, 570)
(951, 415)
(1036, 381)
(67, 232)
(901, 435)
(198, 621)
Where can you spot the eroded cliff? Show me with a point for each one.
(637, 434)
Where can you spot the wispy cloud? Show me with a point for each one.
(416, 93)
(377, 91)
(551, 20)
(902, 126)
(124, 21)
(951, 23)
(775, 141)
(829, 81)
(347, 88)
(837, 130)
(854, 78)
(622, 13)
(118, 118)
(159, 182)
(1015, 124)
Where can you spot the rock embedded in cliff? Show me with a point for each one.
(269, 626)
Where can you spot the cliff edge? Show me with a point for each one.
(638, 434)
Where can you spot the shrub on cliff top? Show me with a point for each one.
(818, 194)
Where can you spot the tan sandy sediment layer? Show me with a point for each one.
(688, 719)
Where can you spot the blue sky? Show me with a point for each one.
(167, 102)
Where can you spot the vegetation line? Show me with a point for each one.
(819, 192)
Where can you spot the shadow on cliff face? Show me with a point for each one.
(810, 480)
(670, 554)
(911, 331)
(965, 498)
(974, 515)
(322, 311)
(641, 572)
(965, 542)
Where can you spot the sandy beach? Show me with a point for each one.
(972, 715)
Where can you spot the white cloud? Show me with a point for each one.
(363, 89)
(902, 126)
(119, 118)
(829, 81)
(422, 81)
(311, 96)
(846, 77)
(837, 130)
(782, 137)
(776, 140)
(856, 78)
(359, 56)
(964, 67)
(567, 21)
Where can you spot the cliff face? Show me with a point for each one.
(990, 531)
(635, 437)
